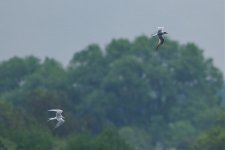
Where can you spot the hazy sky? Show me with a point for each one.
(59, 28)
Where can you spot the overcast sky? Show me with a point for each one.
(59, 28)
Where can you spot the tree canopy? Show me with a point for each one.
(126, 96)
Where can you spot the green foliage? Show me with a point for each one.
(109, 139)
(50, 75)
(167, 97)
(35, 139)
(6, 144)
(182, 131)
(14, 71)
(79, 142)
(157, 91)
(136, 137)
(211, 140)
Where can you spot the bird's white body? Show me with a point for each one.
(58, 117)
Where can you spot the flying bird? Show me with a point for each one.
(160, 34)
(58, 117)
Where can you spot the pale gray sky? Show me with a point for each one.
(59, 28)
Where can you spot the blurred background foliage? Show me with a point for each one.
(127, 96)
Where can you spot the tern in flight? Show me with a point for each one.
(58, 117)
(160, 34)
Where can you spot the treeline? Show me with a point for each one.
(127, 96)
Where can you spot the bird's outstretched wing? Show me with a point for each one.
(59, 123)
(54, 118)
(56, 110)
(154, 34)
